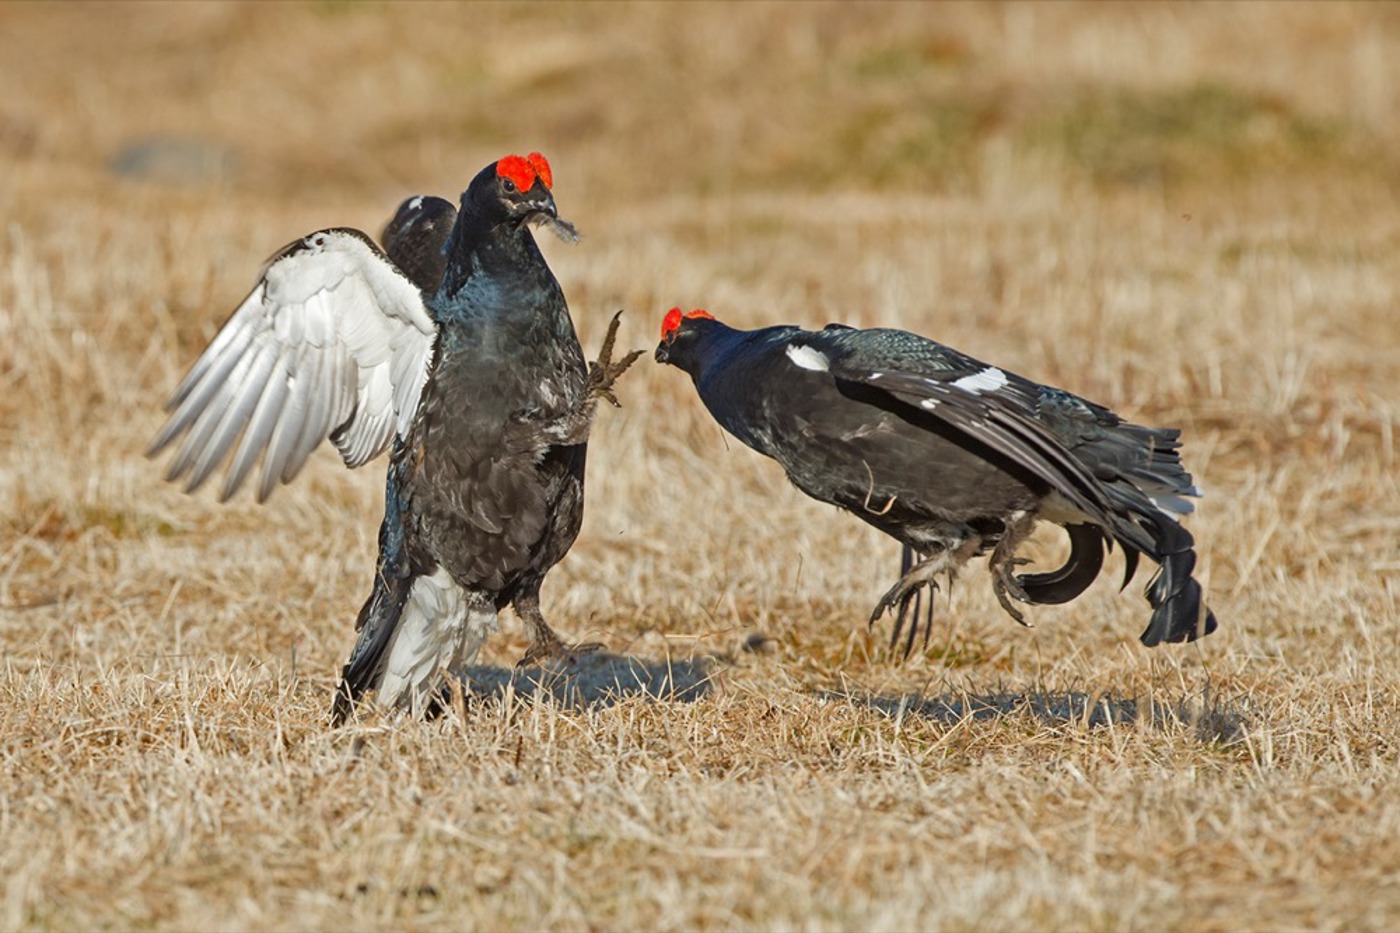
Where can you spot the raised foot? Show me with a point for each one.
(1008, 587)
(898, 599)
(603, 372)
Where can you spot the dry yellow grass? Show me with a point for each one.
(1188, 212)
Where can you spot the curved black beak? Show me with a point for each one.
(663, 352)
(541, 201)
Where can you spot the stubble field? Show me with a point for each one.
(1189, 213)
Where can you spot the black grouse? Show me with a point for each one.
(952, 457)
(415, 239)
(468, 366)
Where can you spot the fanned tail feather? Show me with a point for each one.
(1141, 471)
(1178, 612)
(1141, 527)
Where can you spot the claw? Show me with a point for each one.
(898, 599)
(542, 651)
(1007, 587)
(605, 351)
(603, 372)
(1003, 566)
(1007, 578)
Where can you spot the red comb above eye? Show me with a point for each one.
(670, 322)
(519, 170)
(541, 167)
(674, 317)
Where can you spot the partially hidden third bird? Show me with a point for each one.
(457, 352)
(954, 458)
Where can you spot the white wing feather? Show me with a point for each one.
(334, 341)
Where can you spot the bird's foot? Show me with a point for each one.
(898, 599)
(604, 371)
(1007, 586)
(552, 648)
(907, 593)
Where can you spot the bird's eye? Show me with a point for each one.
(508, 186)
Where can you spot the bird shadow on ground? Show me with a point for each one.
(1213, 721)
(596, 680)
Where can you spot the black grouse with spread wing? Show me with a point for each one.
(465, 360)
(952, 457)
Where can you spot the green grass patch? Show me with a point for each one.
(1200, 132)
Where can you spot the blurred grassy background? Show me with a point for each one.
(1186, 211)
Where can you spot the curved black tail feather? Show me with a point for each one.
(1079, 570)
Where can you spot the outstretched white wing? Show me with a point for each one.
(334, 341)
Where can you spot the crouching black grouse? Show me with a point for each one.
(467, 363)
(952, 457)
